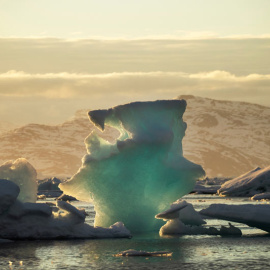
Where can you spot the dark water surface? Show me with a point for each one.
(251, 251)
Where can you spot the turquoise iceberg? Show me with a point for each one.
(142, 172)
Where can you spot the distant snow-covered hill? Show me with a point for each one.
(227, 138)
(52, 150)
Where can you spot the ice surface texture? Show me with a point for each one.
(140, 174)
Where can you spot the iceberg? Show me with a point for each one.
(22, 173)
(137, 176)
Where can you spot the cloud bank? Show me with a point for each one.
(51, 55)
(45, 80)
(137, 85)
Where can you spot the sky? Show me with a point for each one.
(57, 57)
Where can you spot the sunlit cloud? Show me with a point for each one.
(136, 85)
(44, 75)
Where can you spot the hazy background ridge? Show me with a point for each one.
(227, 138)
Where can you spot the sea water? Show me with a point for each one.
(251, 251)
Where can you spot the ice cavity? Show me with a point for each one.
(22, 173)
(134, 178)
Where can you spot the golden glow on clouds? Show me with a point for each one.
(59, 56)
(237, 56)
(46, 80)
(136, 85)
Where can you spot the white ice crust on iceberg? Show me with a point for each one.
(134, 178)
(22, 173)
(20, 220)
(249, 184)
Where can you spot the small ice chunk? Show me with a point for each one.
(9, 192)
(72, 210)
(174, 226)
(119, 229)
(133, 252)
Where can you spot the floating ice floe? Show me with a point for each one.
(133, 252)
(135, 177)
(249, 184)
(19, 220)
(252, 215)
